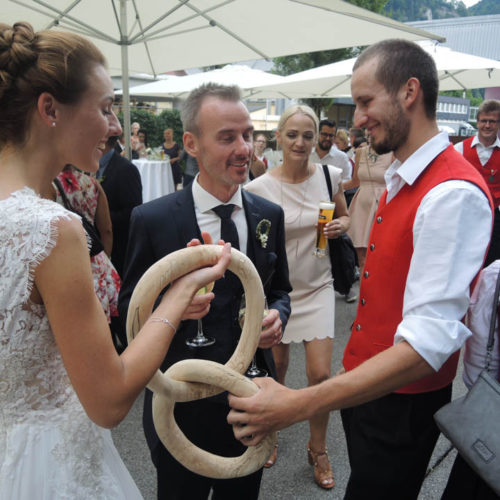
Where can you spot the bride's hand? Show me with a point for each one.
(199, 278)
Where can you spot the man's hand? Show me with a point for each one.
(271, 330)
(272, 408)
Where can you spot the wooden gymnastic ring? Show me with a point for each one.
(187, 386)
(184, 451)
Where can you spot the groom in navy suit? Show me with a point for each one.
(218, 133)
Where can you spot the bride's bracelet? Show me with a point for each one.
(166, 321)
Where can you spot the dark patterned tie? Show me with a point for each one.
(228, 231)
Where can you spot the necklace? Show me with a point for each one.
(372, 155)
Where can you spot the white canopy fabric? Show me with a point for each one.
(231, 74)
(456, 71)
(146, 36)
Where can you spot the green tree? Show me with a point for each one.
(485, 8)
(156, 124)
(475, 96)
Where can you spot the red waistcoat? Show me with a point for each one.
(490, 171)
(389, 253)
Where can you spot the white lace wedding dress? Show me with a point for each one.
(49, 448)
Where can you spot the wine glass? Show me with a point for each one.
(253, 370)
(201, 340)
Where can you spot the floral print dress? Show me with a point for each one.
(82, 193)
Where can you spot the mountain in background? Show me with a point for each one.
(422, 10)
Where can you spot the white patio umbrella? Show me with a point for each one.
(231, 74)
(156, 37)
(456, 71)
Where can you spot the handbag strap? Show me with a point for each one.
(66, 203)
(491, 337)
(326, 171)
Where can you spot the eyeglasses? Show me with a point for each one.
(324, 134)
(488, 122)
(260, 140)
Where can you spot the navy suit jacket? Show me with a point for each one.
(167, 224)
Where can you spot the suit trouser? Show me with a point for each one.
(204, 424)
(390, 441)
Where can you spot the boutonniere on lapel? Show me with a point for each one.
(262, 232)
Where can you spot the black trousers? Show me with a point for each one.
(204, 424)
(389, 442)
(465, 483)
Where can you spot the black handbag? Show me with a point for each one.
(342, 253)
(472, 422)
(90, 229)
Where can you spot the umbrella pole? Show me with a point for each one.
(125, 86)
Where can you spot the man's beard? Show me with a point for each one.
(324, 147)
(397, 128)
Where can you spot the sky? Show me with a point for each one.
(470, 3)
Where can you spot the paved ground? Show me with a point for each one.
(291, 477)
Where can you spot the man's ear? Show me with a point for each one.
(191, 143)
(47, 108)
(411, 89)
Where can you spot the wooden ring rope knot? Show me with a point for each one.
(194, 379)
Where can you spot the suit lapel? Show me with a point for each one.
(185, 216)
(255, 252)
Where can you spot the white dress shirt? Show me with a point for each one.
(336, 158)
(450, 234)
(483, 152)
(210, 222)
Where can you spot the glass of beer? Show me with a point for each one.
(326, 210)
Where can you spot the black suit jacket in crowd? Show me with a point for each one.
(122, 184)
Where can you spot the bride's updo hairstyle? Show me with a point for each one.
(32, 63)
(296, 109)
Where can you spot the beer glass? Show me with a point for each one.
(326, 210)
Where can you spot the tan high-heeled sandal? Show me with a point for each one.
(323, 474)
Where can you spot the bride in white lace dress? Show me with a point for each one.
(61, 381)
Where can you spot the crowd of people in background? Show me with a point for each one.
(402, 193)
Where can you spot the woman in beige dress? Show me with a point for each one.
(298, 186)
(368, 174)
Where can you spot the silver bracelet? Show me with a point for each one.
(166, 321)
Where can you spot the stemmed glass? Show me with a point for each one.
(201, 340)
(253, 370)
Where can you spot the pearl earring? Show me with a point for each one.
(53, 124)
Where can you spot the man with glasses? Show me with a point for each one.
(326, 153)
(483, 151)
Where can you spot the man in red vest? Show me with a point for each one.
(483, 151)
(427, 244)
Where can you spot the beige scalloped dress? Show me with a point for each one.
(312, 297)
(365, 202)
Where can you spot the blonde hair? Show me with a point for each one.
(296, 109)
(342, 135)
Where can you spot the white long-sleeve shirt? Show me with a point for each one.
(450, 234)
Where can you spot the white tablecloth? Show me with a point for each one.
(156, 177)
